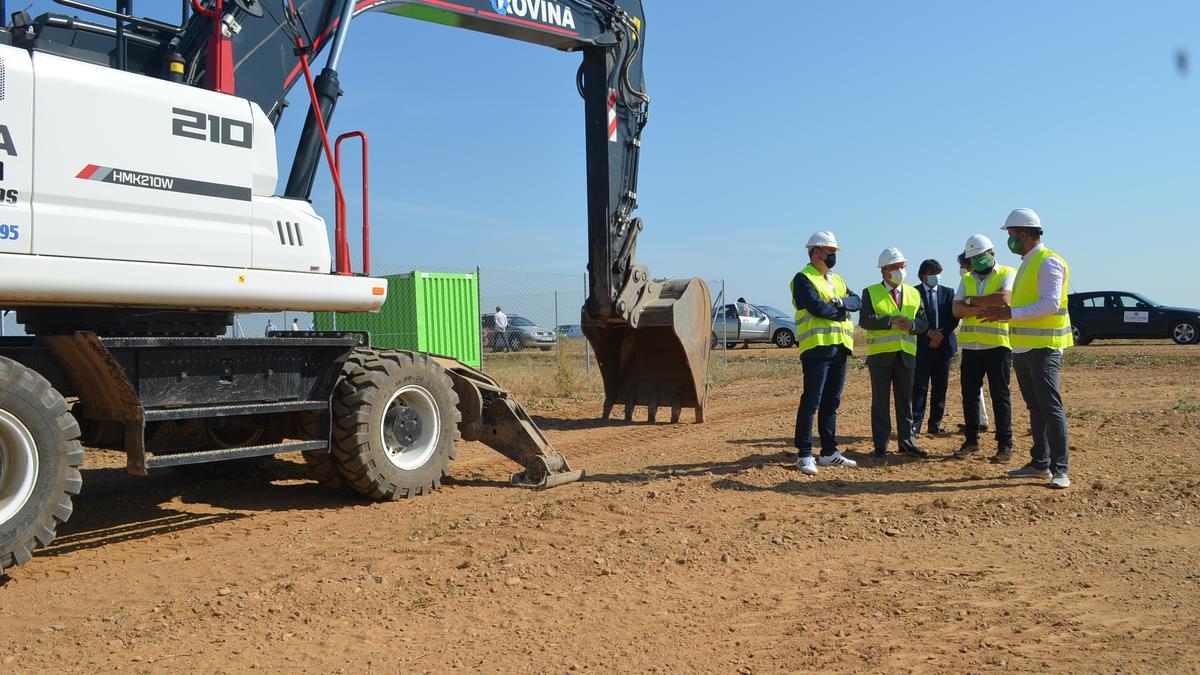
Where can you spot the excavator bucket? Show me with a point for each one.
(659, 358)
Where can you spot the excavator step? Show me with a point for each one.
(196, 412)
(181, 458)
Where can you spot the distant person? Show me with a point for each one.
(500, 330)
(743, 307)
(826, 337)
(935, 349)
(893, 317)
(270, 327)
(986, 349)
(295, 324)
(964, 268)
(1039, 327)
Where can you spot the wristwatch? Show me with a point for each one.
(967, 300)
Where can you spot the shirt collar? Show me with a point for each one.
(1033, 250)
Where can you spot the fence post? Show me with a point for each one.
(724, 328)
(557, 337)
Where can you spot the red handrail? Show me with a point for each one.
(341, 209)
(218, 69)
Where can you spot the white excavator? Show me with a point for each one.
(139, 213)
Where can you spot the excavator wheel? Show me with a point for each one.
(321, 465)
(40, 456)
(395, 424)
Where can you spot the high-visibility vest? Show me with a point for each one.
(975, 332)
(892, 339)
(1052, 331)
(814, 331)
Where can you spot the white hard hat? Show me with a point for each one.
(822, 238)
(890, 256)
(1022, 218)
(977, 244)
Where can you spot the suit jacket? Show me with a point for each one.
(946, 322)
(869, 320)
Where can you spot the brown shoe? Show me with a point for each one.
(1003, 455)
(967, 450)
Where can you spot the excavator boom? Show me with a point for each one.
(651, 337)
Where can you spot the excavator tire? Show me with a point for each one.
(395, 424)
(320, 463)
(40, 456)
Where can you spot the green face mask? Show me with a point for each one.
(983, 264)
(1014, 244)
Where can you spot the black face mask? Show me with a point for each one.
(830, 260)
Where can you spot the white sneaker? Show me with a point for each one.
(836, 459)
(1060, 481)
(807, 466)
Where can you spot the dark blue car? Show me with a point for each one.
(1099, 315)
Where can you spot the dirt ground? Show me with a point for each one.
(691, 548)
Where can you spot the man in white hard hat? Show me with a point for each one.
(985, 344)
(893, 317)
(825, 335)
(1039, 330)
(964, 268)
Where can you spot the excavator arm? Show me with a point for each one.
(651, 337)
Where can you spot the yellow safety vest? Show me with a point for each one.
(976, 332)
(1052, 331)
(814, 331)
(892, 339)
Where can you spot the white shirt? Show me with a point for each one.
(1050, 286)
(1006, 284)
(501, 321)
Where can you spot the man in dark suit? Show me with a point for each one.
(935, 349)
(893, 318)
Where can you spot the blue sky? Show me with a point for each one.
(893, 124)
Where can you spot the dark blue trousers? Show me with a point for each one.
(930, 383)
(824, 376)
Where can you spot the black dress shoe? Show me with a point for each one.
(938, 431)
(914, 451)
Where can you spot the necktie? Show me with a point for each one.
(933, 308)
(896, 296)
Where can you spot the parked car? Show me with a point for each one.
(521, 333)
(568, 330)
(1122, 314)
(744, 323)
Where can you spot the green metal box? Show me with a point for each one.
(426, 312)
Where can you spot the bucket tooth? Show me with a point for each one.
(661, 353)
(676, 410)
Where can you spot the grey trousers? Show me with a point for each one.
(888, 383)
(1037, 375)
